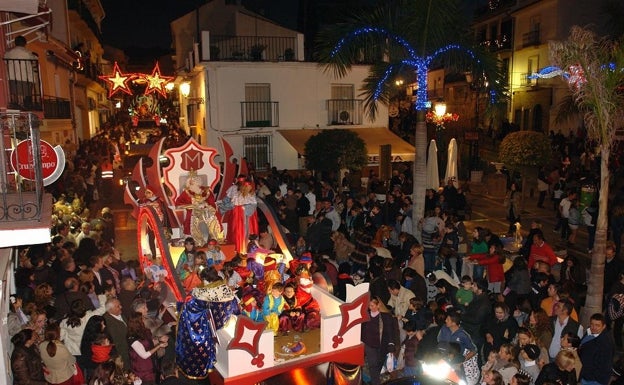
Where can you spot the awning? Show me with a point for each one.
(374, 137)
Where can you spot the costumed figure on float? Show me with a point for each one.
(310, 307)
(201, 211)
(150, 199)
(244, 218)
(210, 307)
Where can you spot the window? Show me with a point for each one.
(258, 151)
(343, 108)
(257, 108)
(532, 66)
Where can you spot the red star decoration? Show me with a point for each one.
(156, 82)
(250, 330)
(117, 81)
(353, 313)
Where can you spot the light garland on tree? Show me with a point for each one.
(419, 63)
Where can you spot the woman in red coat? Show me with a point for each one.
(493, 261)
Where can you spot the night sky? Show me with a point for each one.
(145, 23)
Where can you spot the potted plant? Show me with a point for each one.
(256, 51)
(289, 54)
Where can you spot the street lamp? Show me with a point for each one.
(185, 89)
(440, 109)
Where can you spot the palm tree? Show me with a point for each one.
(594, 70)
(404, 39)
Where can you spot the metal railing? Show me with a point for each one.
(56, 108)
(531, 38)
(344, 112)
(259, 114)
(253, 48)
(21, 199)
(24, 84)
(526, 81)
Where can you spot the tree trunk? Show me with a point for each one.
(595, 284)
(419, 178)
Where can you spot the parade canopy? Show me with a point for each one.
(372, 136)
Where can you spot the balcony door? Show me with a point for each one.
(258, 105)
(342, 105)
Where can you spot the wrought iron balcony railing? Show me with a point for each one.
(24, 85)
(56, 108)
(21, 199)
(344, 112)
(531, 38)
(259, 114)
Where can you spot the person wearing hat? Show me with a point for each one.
(529, 355)
(309, 305)
(214, 253)
(271, 274)
(151, 199)
(243, 218)
(249, 307)
(201, 211)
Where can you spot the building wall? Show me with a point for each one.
(302, 90)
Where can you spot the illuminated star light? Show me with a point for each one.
(118, 81)
(156, 82)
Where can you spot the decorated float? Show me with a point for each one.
(230, 349)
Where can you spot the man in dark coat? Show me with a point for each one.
(117, 329)
(596, 352)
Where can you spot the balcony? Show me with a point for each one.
(525, 81)
(253, 48)
(24, 207)
(259, 114)
(531, 38)
(344, 112)
(24, 85)
(56, 108)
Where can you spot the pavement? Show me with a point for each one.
(487, 211)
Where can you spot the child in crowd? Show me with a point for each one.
(250, 308)
(411, 346)
(214, 255)
(493, 261)
(464, 294)
(101, 349)
(529, 355)
(273, 306)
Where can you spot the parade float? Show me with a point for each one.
(241, 351)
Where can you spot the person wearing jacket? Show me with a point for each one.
(380, 335)
(58, 361)
(26, 361)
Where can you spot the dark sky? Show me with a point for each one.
(145, 23)
(142, 23)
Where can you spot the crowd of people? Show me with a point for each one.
(82, 314)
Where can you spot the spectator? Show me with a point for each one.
(116, 326)
(596, 352)
(561, 371)
(142, 349)
(26, 364)
(563, 323)
(60, 364)
(380, 335)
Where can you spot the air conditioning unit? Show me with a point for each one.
(344, 116)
